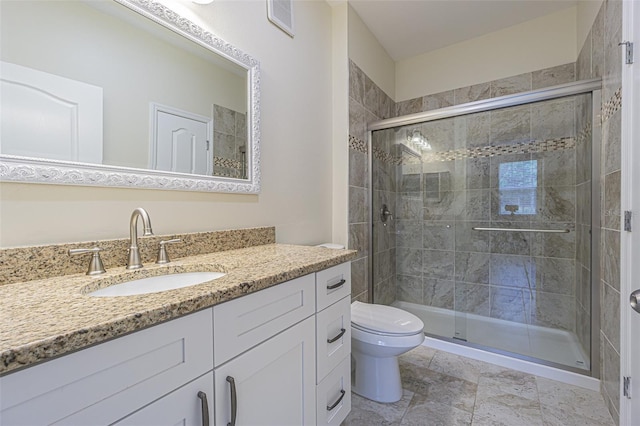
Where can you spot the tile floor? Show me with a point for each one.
(445, 389)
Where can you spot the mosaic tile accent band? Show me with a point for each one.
(612, 106)
(357, 144)
(386, 157)
(227, 162)
(585, 133)
(609, 108)
(559, 144)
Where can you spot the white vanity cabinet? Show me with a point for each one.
(105, 383)
(272, 383)
(300, 372)
(333, 343)
(277, 357)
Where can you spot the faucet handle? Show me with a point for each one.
(163, 257)
(95, 265)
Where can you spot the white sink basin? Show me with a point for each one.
(157, 284)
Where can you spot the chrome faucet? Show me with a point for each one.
(134, 253)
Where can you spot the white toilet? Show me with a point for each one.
(379, 334)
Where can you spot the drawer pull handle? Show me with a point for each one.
(338, 284)
(234, 401)
(205, 408)
(335, 404)
(342, 331)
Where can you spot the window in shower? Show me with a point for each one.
(518, 184)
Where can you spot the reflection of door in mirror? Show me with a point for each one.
(45, 115)
(229, 143)
(180, 141)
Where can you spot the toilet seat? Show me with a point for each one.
(384, 320)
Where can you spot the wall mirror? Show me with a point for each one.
(125, 93)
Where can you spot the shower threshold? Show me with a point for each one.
(541, 343)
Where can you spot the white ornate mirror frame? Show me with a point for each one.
(37, 170)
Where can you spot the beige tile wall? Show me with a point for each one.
(601, 57)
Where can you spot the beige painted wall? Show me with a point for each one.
(539, 43)
(296, 150)
(370, 56)
(587, 11)
(340, 175)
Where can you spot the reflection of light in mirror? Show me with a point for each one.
(418, 139)
(188, 9)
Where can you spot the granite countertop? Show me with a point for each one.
(46, 318)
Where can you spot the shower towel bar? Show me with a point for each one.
(549, 231)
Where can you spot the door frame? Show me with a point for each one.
(630, 201)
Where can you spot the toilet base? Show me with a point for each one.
(376, 378)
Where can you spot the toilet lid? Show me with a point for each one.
(385, 319)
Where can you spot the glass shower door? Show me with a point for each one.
(490, 239)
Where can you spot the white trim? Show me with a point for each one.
(36, 170)
(273, 16)
(630, 200)
(515, 364)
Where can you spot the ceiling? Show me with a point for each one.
(407, 28)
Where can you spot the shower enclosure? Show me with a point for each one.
(486, 223)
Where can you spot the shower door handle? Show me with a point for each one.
(634, 299)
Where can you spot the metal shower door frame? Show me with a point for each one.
(593, 86)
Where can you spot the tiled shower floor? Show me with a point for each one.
(445, 389)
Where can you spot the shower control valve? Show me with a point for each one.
(385, 214)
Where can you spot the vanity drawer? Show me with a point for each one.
(332, 285)
(333, 395)
(243, 323)
(330, 323)
(104, 383)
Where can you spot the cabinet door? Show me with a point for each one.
(183, 406)
(273, 383)
(106, 382)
